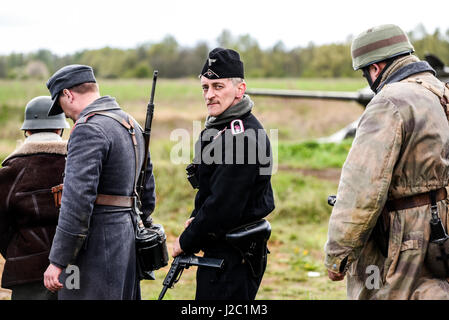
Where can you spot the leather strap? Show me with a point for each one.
(112, 200)
(115, 200)
(57, 194)
(414, 201)
(443, 96)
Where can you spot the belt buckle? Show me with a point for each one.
(135, 202)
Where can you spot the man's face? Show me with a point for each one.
(64, 102)
(219, 94)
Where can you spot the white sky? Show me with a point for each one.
(68, 26)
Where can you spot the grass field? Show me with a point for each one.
(308, 171)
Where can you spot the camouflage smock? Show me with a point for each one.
(401, 148)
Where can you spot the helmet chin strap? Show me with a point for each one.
(367, 76)
(375, 84)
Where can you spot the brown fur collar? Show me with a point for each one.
(35, 147)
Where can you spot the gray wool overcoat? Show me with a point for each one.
(99, 240)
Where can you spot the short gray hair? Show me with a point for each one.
(236, 81)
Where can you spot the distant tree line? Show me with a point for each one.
(174, 61)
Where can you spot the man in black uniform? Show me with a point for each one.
(233, 170)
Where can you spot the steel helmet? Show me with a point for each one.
(36, 115)
(378, 44)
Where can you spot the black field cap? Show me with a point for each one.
(223, 63)
(65, 78)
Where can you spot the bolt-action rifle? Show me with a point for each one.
(146, 136)
(151, 245)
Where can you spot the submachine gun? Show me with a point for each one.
(250, 240)
(184, 261)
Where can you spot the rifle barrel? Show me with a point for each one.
(146, 136)
(346, 96)
(362, 97)
(153, 89)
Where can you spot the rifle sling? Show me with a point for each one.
(443, 96)
(117, 200)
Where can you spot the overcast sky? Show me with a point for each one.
(69, 26)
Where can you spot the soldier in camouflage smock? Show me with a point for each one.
(400, 154)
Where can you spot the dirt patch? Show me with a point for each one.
(301, 119)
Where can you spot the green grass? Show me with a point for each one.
(314, 155)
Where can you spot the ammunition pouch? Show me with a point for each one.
(251, 241)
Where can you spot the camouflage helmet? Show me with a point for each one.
(36, 115)
(378, 44)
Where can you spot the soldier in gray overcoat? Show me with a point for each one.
(95, 233)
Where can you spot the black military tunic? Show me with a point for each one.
(234, 188)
